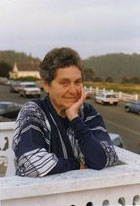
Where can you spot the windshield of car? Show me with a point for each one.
(110, 96)
(117, 141)
(30, 86)
(3, 106)
(135, 103)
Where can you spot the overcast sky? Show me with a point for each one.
(92, 27)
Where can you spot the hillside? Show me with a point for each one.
(115, 66)
(11, 57)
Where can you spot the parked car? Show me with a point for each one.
(29, 89)
(22, 84)
(133, 107)
(14, 85)
(9, 109)
(107, 98)
(116, 140)
(8, 82)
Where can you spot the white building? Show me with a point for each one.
(30, 69)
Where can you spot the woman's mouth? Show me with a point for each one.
(72, 98)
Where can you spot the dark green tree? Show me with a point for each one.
(125, 80)
(88, 74)
(109, 79)
(116, 66)
(135, 80)
(98, 79)
(4, 69)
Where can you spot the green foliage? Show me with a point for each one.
(97, 79)
(116, 66)
(133, 80)
(4, 69)
(109, 79)
(27, 79)
(12, 56)
(125, 80)
(88, 74)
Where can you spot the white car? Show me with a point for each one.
(107, 98)
(29, 89)
(116, 140)
(9, 109)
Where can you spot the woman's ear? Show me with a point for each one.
(45, 86)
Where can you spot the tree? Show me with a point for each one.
(97, 79)
(88, 74)
(4, 69)
(125, 80)
(109, 79)
(135, 80)
(114, 65)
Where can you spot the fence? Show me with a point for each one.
(120, 95)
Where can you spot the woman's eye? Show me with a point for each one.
(78, 83)
(64, 83)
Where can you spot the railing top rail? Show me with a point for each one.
(6, 125)
(127, 173)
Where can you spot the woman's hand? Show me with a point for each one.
(72, 112)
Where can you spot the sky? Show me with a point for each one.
(92, 27)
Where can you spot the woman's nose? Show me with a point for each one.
(73, 89)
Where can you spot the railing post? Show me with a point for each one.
(120, 95)
(136, 97)
(104, 90)
(97, 90)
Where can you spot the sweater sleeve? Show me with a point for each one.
(93, 139)
(31, 144)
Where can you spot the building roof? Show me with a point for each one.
(29, 66)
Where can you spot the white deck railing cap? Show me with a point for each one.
(79, 180)
(7, 125)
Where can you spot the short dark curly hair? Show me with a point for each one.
(58, 58)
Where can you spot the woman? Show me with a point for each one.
(60, 132)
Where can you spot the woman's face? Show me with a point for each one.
(65, 89)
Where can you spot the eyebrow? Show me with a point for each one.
(67, 79)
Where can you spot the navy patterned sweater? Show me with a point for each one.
(45, 143)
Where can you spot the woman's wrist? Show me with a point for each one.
(71, 116)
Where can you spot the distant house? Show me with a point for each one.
(30, 69)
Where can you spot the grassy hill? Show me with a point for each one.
(116, 66)
(11, 57)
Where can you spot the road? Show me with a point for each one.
(115, 117)
(119, 121)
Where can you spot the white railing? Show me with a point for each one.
(6, 152)
(118, 185)
(122, 96)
